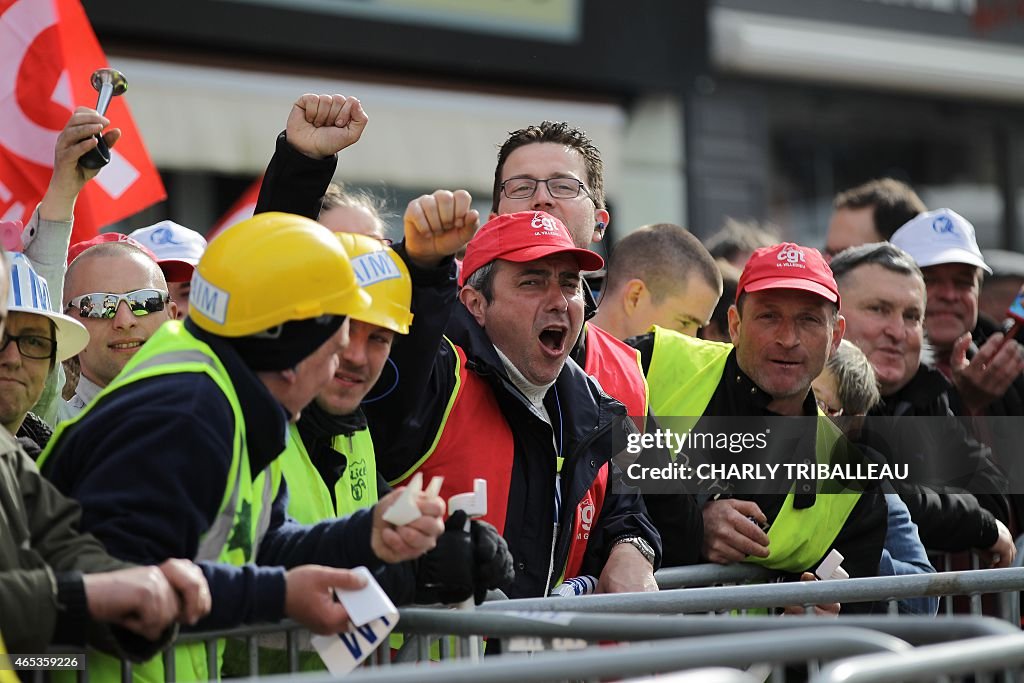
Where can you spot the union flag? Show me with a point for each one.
(48, 52)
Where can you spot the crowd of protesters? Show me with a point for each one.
(211, 435)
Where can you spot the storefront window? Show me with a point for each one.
(821, 144)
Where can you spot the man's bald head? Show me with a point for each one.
(79, 281)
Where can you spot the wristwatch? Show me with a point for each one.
(640, 544)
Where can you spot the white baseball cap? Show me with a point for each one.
(940, 236)
(29, 294)
(172, 242)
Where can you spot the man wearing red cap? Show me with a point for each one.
(784, 327)
(508, 406)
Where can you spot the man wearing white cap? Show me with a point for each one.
(173, 242)
(943, 244)
(34, 340)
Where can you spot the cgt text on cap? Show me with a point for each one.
(520, 237)
(788, 266)
(940, 236)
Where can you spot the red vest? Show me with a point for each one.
(618, 369)
(475, 441)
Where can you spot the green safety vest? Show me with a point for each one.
(683, 375)
(244, 514)
(309, 501)
(7, 674)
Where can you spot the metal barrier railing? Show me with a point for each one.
(574, 618)
(700, 575)
(553, 626)
(555, 630)
(708, 675)
(797, 646)
(996, 654)
(888, 589)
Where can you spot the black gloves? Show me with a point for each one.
(464, 563)
(494, 567)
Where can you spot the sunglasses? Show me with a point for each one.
(104, 305)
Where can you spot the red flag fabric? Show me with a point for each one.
(48, 52)
(239, 211)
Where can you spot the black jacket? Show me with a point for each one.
(916, 425)
(405, 422)
(1011, 403)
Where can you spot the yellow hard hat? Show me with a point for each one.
(385, 276)
(271, 269)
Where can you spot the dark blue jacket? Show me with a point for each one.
(149, 465)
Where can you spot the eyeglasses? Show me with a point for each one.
(559, 188)
(104, 305)
(827, 409)
(30, 345)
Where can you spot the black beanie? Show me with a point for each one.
(285, 346)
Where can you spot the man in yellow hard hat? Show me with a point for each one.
(178, 455)
(332, 459)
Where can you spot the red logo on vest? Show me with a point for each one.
(585, 513)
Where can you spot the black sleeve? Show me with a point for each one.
(293, 182)
(644, 343)
(676, 514)
(949, 522)
(623, 513)
(863, 535)
(956, 491)
(420, 378)
(343, 542)
(860, 541)
(337, 542)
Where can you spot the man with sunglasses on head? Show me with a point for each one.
(119, 293)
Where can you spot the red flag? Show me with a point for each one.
(240, 210)
(48, 52)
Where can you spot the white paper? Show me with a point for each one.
(405, 509)
(373, 617)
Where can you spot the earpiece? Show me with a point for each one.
(600, 225)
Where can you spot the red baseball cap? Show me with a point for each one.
(521, 237)
(788, 266)
(175, 270)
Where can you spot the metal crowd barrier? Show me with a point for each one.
(702, 575)
(997, 654)
(888, 589)
(778, 648)
(538, 631)
(596, 618)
